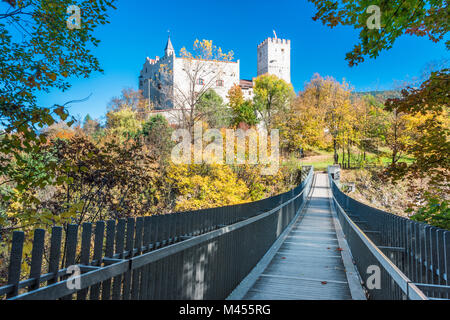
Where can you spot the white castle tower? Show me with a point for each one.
(274, 57)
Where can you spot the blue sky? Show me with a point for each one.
(139, 28)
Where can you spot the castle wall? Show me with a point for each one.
(217, 75)
(156, 81)
(163, 78)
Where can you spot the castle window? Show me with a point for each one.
(200, 82)
(219, 83)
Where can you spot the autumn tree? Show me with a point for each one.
(38, 52)
(106, 180)
(419, 18)
(131, 99)
(372, 123)
(201, 186)
(90, 126)
(324, 105)
(243, 111)
(123, 123)
(59, 130)
(397, 136)
(272, 99)
(427, 106)
(306, 125)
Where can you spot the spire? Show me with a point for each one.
(169, 48)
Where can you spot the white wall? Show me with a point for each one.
(212, 71)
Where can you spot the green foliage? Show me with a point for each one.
(213, 110)
(436, 213)
(123, 123)
(420, 18)
(42, 56)
(154, 124)
(157, 134)
(243, 111)
(246, 113)
(272, 99)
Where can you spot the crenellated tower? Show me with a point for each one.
(274, 57)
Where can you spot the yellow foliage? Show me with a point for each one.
(205, 186)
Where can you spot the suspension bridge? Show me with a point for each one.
(313, 242)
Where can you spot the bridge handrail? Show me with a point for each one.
(222, 254)
(348, 226)
(419, 251)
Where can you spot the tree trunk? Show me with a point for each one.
(348, 153)
(336, 157)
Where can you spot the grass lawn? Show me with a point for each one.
(324, 158)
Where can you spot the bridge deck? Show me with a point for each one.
(308, 264)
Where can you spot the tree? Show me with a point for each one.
(90, 126)
(306, 124)
(205, 186)
(324, 107)
(372, 123)
(272, 99)
(213, 110)
(427, 107)
(420, 18)
(243, 111)
(201, 69)
(131, 99)
(39, 52)
(397, 135)
(58, 130)
(157, 136)
(106, 180)
(123, 123)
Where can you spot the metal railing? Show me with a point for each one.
(414, 258)
(190, 255)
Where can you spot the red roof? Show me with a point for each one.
(246, 84)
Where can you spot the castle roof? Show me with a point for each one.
(246, 84)
(169, 46)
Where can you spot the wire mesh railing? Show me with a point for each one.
(411, 255)
(200, 254)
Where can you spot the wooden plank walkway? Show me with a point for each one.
(309, 263)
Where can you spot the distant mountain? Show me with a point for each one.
(379, 95)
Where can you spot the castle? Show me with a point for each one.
(166, 80)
